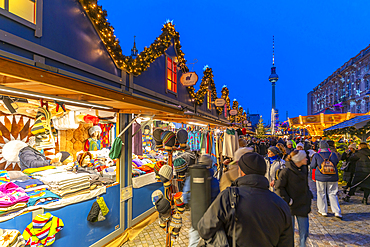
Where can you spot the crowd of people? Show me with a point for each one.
(264, 190)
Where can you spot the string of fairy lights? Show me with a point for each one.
(142, 62)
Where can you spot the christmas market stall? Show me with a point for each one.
(358, 126)
(315, 124)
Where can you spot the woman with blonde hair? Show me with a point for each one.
(283, 150)
(292, 186)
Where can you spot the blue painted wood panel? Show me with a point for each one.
(142, 198)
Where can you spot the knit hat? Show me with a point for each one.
(323, 145)
(300, 145)
(299, 156)
(239, 153)
(353, 145)
(252, 163)
(94, 129)
(180, 165)
(180, 206)
(182, 137)
(11, 150)
(163, 206)
(157, 136)
(175, 225)
(274, 150)
(156, 195)
(205, 160)
(158, 166)
(168, 139)
(165, 173)
(289, 143)
(146, 127)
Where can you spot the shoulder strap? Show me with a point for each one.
(233, 195)
(321, 156)
(330, 155)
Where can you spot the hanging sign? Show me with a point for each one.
(220, 102)
(189, 79)
(233, 112)
(245, 122)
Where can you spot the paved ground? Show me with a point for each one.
(353, 230)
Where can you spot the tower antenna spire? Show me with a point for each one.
(273, 50)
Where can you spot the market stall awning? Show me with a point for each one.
(357, 122)
(17, 79)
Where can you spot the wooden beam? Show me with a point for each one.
(26, 72)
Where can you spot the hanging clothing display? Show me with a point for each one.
(104, 136)
(137, 140)
(194, 140)
(231, 143)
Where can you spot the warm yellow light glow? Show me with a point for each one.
(24, 9)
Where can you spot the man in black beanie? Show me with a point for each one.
(263, 218)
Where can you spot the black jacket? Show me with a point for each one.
(263, 218)
(293, 184)
(350, 157)
(31, 158)
(362, 168)
(262, 149)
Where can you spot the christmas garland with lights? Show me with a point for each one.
(349, 130)
(207, 83)
(137, 65)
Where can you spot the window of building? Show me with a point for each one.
(26, 9)
(209, 100)
(367, 106)
(171, 75)
(358, 109)
(367, 84)
(349, 89)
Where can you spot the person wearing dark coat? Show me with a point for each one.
(262, 148)
(349, 171)
(289, 147)
(300, 146)
(254, 145)
(292, 186)
(362, 172)
(263, 218)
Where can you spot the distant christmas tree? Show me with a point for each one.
(261, 131)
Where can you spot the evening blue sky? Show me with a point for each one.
(234, 38)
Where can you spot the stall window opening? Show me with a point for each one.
(171, 75)
(26, 9)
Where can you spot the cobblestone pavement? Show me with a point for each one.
(353, 230)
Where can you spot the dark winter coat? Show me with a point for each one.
(362, 168)
(263, 218)
(255, 147)
(316, 164)
(293, 184)
(350, 157)
(262, 149)
(289, 150)
(31, 158)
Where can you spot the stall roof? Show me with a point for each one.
(357, 122)
(19, 76)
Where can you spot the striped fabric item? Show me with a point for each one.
(4, 177)
(41, 231)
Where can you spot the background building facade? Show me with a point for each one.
(346, 90)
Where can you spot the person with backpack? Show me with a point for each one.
(326, 176)
(361, 177)
(258, 218)
(292, 186)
